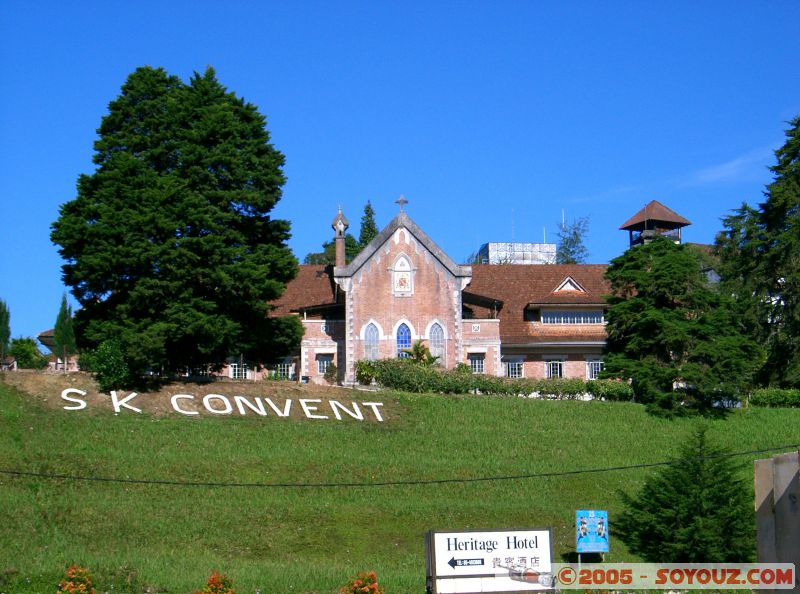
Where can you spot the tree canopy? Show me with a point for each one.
(27, 354)
(571, 249)
(169, 245)
(759, 252)
(5, 329)
(697, 510)
(328, 253)
(63, 332)
(672, 332)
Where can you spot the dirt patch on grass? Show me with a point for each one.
(308, 401)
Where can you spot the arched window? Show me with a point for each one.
(371, 342)
(402, 279)
(436, 340)
(403, 340)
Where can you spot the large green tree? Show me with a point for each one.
(63, 332)
(671, 332)
(169, 245)
(27, 354)
(5, 329)
(759, 251)
(697, 510)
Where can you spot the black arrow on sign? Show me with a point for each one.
(464, 562)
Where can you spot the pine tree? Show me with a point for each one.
(63, 333)
(5, 330)
(695, 510)
(368, 227)
(759, 252)
(170, 248)
(672, 333)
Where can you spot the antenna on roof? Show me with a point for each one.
(544, 234)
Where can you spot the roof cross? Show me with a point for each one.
(401, 201)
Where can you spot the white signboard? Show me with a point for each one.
(489, 561)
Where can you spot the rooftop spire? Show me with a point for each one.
(401, 201)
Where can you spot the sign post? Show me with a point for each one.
(488, 561)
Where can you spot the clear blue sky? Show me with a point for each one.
(490, 117)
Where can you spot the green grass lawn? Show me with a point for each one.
(279, 540)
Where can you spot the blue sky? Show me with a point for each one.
(490, 117)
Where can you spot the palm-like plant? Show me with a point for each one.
(420, 353)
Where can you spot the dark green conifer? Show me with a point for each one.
(170, 248)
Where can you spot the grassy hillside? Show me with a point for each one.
(309, 539)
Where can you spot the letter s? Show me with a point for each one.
(79, 404)
(661, 577)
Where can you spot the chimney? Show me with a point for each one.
(340, 226)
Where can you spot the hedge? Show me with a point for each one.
(776, 398)
(409, 376)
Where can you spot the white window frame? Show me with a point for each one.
(550, 365)
(237, 372)
(514, 367)
(372, 342)
(477, 362)
(324, 361)
(593, 368)
(285, 369)
(572, 318)
(436, 341)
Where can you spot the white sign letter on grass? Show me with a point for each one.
(80, 404)
(374, 406)
(308, 409)
(227, 403)
(118, 404)
(176, 408)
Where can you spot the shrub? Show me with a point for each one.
(363, 583)
(776, 397)
(218, 583)
(331, 374)
(409, 376)
(365, 372)
(610, 389)
(76, 581)
(111, 369)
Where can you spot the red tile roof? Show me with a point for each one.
(312, 287)
(520, 285)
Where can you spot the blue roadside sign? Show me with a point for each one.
(591, 531)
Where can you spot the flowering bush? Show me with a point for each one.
(218, 583)
(363, 583)
(77, 581)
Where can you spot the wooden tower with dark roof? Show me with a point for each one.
(653, 220)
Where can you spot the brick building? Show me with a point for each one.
(513, 319)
